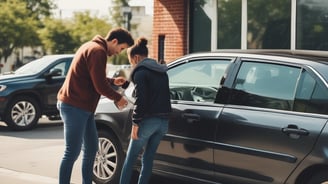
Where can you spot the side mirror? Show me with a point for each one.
(54, 72)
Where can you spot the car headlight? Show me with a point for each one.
(2, 88)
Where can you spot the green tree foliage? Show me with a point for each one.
(30, 23)
(40, 9)
(65, 36)
(56, 37)
(118, 20)
(17, 28)
(116, 12)
(84, 27)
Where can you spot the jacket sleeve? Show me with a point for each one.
(140, 82)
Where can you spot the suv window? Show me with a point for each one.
(266, 85)
(197, 80)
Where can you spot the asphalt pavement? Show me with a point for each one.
(16, 177)
(33, 157)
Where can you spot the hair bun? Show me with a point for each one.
(142, 41)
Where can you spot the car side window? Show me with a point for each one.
(266, 85)
(311, 96)
(61, 68)
(196, 80)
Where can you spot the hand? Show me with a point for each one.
(134, 132)
(119, 81)
(122, 103)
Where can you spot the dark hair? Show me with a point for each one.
(140, 47)
(122, 36)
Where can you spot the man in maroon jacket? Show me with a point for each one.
(78, 98)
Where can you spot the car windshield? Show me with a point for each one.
(33, 67)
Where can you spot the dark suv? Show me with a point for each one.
(31, 91)
(246, 117)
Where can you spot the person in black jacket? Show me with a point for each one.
(151, 111)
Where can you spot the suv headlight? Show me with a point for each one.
(2, 88)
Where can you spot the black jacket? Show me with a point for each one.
(151, 91)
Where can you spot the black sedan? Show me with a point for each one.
(31, 91)
(246, 117)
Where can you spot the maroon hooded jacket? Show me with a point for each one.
(86, 79)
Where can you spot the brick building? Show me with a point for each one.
(185, 26)
(170, 25)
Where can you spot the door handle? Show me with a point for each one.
(190, 117)
(291, 130)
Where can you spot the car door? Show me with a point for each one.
(187, 150)
(260, 136)
(53, 79)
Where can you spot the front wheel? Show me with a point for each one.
(109, 159)
(22, 113)
(319, 178)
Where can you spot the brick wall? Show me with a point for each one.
(170, 20)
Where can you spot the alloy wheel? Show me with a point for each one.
(106, 159)
(23, 113)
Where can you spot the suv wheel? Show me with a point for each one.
(22, 113)
(109, 159)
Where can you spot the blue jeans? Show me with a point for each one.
(79, 130)
(151, 131)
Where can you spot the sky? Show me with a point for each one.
(96, 7)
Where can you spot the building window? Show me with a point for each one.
(268, 24)
(200, 26)
(312, 25)
(258, 24)
(161, 44)
(229, 24)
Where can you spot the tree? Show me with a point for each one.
(40, 9)
(19, 22)
(65, 36)
(118, 20)
(116, 13)
(29, 23)
(17, 28)
(56, 37)
(84, 27)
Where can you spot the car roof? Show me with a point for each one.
(317, 56)
(318, 60)
(58, 56)
(53, 58)
(43, 62)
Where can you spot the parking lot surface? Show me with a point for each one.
(33, 157)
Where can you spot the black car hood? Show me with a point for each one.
(14, 77)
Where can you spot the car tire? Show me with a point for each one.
(23, 113)
(319, 177)
(109, 159)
